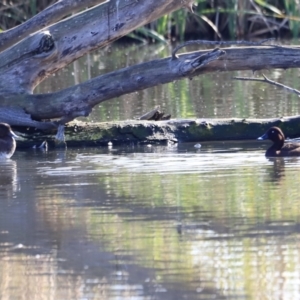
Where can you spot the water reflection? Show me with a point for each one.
(8, 179)
(160, 222)
(150, 223)
(277, 172)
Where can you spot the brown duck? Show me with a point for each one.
(279, 148)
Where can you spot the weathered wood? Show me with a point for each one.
(148, 115)
(155, 115)
(31, 60)
(126, 132)
(79, 100)
(45, 18)
(74, 37)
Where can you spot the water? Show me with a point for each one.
(150, 223)
(159, 222)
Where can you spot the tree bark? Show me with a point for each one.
(43, 53)
(80, 99)
(45, 18)
(27, 63)
(30, 61)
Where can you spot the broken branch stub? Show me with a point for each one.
(188, 67)
(155, 115)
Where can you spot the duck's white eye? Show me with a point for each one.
(272, 131)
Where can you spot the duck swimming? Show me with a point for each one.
(7, 141)
(278, 148)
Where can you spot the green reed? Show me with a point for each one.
(292, 9)
(233, 19)
(212, 19)
(16, 12)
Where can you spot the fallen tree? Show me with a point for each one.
(163, 132)
(25, 64)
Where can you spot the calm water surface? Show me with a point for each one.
(150, 223)
(139, 222)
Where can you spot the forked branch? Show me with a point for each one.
(269, 81)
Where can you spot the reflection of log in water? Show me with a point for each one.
(138, 131)
(8, 179)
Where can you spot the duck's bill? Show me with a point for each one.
(263, 137)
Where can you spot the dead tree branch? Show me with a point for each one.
(267, 80)
(45, 18)
(47, 51)
(219, 43)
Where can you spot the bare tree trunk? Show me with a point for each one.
(30, 61)
(48, 16)
(27, 63)
(80, 99)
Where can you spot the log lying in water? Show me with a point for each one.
(137, 131)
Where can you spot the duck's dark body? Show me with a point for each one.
(278, 148)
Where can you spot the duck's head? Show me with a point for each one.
(274, 134)
(5, 131)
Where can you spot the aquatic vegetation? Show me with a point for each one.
(222, 19)
(232, 19)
